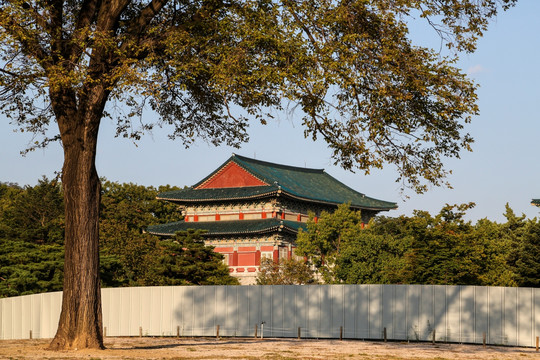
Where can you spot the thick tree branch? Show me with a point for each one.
(81, 32)
(139, 24)
(109, 15)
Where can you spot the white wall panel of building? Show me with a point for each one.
(508, 316)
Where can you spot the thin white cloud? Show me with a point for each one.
(476, 69)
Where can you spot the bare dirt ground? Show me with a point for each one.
(274, 349)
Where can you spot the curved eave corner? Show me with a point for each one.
(386, 207)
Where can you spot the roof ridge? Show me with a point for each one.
(275, 165)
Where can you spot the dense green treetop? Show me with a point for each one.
(33, 214)
(424, 249)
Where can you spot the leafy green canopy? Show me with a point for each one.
(424, 249)
(207, 66)
(32, 243)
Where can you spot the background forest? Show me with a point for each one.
(32, 237)
(421, 249)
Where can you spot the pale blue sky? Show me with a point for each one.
(502, 168)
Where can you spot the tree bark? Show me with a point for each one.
(80, 324)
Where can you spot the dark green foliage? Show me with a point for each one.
(27, 268)
(325, 239)
(126, 209)
(425, 249)
(528, 256)
(372, 259)
(185, 260)
(33, 214)
(31, 238)
(445, 249)
(32, 252)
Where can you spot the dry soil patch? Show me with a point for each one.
(278, 349)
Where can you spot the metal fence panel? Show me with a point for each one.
(254, 308)
(510, 316)
(196, 312)
(467, 298)
(275, 327)
(423, 330)
(313, 304)
(496, 316)
(481, 319)
(289, 311)
(375, 311)
(506, 316)
(417, 322)
(37, 312)
(349, 313)
(302, 308)
(525, 315)
(452, 311)
(399, 318)
(165, 315)
(10, 330)
(536, 314)
(387, 310)
(362, 312)
(440, 325)
(325, 311)
(266, 309)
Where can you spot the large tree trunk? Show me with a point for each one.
(80, 324)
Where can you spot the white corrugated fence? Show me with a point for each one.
(462, 314)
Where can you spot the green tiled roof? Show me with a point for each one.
(301, 183)
(536, 202)
(228, 227)
(192, 195)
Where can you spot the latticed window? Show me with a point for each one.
(283, 252)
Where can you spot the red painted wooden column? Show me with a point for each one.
(235, 258)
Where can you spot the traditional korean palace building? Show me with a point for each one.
(251, 209)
